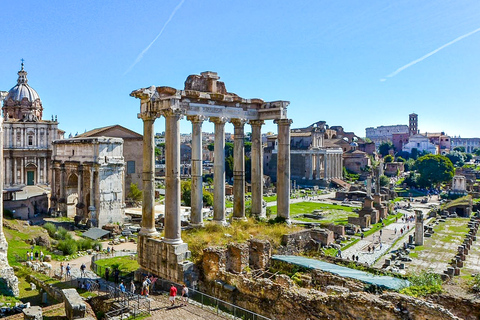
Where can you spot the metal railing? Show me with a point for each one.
(129, 303)
(210, 303)
(100, 270)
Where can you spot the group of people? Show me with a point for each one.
(36, 255)
(67, 268)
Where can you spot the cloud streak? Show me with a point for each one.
(414, 62)
(140, 56)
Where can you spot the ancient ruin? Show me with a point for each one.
(204, 97)
(87, 183)
(6, 272)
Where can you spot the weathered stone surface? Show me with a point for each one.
(237, 257)
(33, 313)
(75, 307)
(214, 260)
(260, 253)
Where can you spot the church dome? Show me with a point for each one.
(22, 89)
(22, 102)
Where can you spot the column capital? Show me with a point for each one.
(196, 118)
(256, 122)
(172, 112)
(148, 115)
(283, 122)
(219, 120)
(238, 122)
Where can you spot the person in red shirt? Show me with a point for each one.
(173, 293)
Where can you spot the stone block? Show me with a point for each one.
(32, 313)
(260, 252)
(75, 307)
(214, 260)
(237, 257)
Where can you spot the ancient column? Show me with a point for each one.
(325, 166)
(283, 169)
(37, 178)
(419, 228)
(6, 272)
(219, 171)
(257, 169)
(172, 177)
(317, 166)
(93, 194)
(239, 169)
(45, 172)
(22, 172)
(80, 189)
(310, 166)
(196, 215)
(148, 207)
(63, 194)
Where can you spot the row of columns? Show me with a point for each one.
(332, 165)
(11, 166)
(172, 172)
(17, 137)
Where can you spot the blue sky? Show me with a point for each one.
(328, 58)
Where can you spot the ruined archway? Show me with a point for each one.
(72, 195)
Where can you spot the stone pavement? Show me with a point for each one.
(388, 238)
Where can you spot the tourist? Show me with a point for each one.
(122, 287)
(61, 269)
(68, 270)
(116, 275)
(28, 255)
(184, 295)
(369, 249)
(356, 258)
(132, 287)
(381, 232)
(42, 256)
(82, 270)
(36, 255)
(108, 250)
(107, 274)
(395, 231)
(145, 285)
(173, 293)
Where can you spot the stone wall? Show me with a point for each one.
(306, 240)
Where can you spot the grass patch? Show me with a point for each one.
(125, 264)
(423, 284)
(270, 198)
(463, 201)
(239, 231)
(336, 214)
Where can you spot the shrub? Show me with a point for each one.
(475, 283)
(68, 246)
(51, 229)
(62, 234)
(423, 284)
(84, 244)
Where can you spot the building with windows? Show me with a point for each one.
(132, 151)
(385, 133)
(27, 140)
(470, 144)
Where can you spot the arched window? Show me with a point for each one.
(30, 140)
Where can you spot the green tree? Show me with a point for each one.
(186, 191)
(388, 158)
(434, 169)
(456, 157)
(384, 181)
(135, 194)
(385, 148)
(468, 157)
(400, 159)
(207, 198)
(476, 151)
(410, 165)
(459, 149)
(414, 153)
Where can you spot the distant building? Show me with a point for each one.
(385, 133)
(421, 143)
(441, 140)
(28, 138)
(132, 151)
(470, 144)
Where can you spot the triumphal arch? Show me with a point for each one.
(204, 98)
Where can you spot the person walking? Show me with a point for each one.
(107, 274)
(116, 275)
(67, 268)
(184, 295)
(173, 293)
(61, 269)
(122, 287)
(82, 270)
(132, 287)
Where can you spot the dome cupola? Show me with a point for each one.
(22, 102)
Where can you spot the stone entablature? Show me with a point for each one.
(88, 175)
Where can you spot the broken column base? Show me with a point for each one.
(165, 260)
(7, 275)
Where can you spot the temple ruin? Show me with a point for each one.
(203, 98)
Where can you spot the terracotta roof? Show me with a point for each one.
(99, 131)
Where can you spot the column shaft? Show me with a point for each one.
(239, 170)
(219, 171)
(196, 216)
(283, 169)
(257, 169)
(310, 166)
(148, 209)
(172, 178)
